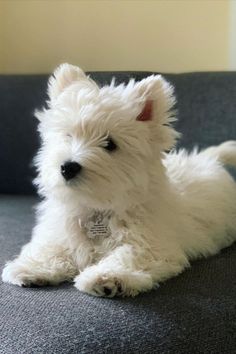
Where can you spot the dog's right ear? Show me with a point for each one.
(63, 76)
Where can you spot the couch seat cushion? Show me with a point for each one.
(193, 313)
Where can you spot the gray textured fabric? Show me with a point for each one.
(206, 104)
(193, 313)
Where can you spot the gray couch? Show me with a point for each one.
(192, 313)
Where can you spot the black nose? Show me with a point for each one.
(70, 169)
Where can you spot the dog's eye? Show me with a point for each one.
(110, 145)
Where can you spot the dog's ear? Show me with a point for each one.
(156, 97)
(156, 100)
(63, 77)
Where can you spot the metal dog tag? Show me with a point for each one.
(97, 224)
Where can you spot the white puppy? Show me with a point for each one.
(119, 215)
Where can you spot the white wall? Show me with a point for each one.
(161, 35)
(232, 35)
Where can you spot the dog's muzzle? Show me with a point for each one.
(70, 170)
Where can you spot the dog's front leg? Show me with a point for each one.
(46, 259)
(116, 274)
(39, 265)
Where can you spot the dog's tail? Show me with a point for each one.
(225, 152)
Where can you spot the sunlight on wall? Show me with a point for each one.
(1, 38)
(165, 36)
(232, 35)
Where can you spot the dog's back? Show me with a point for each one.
(207, 192)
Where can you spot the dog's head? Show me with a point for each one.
(100, 145)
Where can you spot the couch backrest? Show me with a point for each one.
(206, 104)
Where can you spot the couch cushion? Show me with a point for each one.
(206, 110)
(193, 313)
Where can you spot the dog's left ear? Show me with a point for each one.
(156, 97)
(63, 76)
(156, 100)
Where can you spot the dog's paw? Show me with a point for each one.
(96, 282)
(22, 275)
(99, 284)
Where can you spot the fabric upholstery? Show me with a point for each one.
(193, 313)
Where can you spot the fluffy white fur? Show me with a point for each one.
(166, 208)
